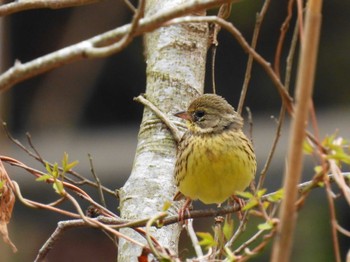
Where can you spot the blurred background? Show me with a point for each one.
(87, 107)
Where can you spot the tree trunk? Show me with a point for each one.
(175, 58)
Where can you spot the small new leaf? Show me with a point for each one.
(228, 228)
(58, 186)
(265, 226)
(43, 177)
(250, 204)
(55, 171)
(48, 167)
(166, 206)
(66, 165)
(207, 239)
(277, 196)
(71, 165)
(265, 204)
(318, 169)
(261, 192)
(245, 194)
(340, 156)
(307, 147)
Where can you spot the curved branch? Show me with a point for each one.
(286, 98)
(22, 5)
(87, 49)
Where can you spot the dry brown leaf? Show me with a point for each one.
(7, 201)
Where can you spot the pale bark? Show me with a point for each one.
(175, 58)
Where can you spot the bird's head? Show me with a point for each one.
(211, 113)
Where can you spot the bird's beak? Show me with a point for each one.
(183, 115)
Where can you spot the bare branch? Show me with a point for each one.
(36, 155)
(98, 182)
(85, 49)
(284, 30)
(259, 19)
(81, 193)
(111, 224)
(286, 99)
(22, 5)
(305, 82)
(281, 117)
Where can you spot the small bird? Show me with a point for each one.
(214, 158)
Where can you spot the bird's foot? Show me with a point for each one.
(185, 209)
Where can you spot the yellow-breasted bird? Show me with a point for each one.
(214, 158)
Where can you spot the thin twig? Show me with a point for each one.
(130, 6)
(224, 12)
(305, 81)
(108, 223)
(156, 251)
(19, 72)
(343, 230)
(36, 155)
(286, 99)
(284, 30)
(193, 237)
(173, 129)
(213, 62)
(81, 193)
(85, 221)
(281, 117)
(98, 51)
(18, 6)
(259, 19)
(33, 204)
(98, 182)
(334, 223)
(248, 242)
(258, 248)
(21, 146)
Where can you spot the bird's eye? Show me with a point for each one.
(199, 114)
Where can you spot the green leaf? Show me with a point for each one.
(307, 147)
(2, 183)
(245, 194)
(277, 196)
(318, 169)
(261, 192)
(340, 156)
(228, 228)
(66, 165)
(59, 188)
(207, 240)
(44, 177)
(71, 165)
(250, 204)
(265, 226)
(48, 167)
(166, 205)
(266, 204)
(55, 171)
(64, 159)
(320, 184)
